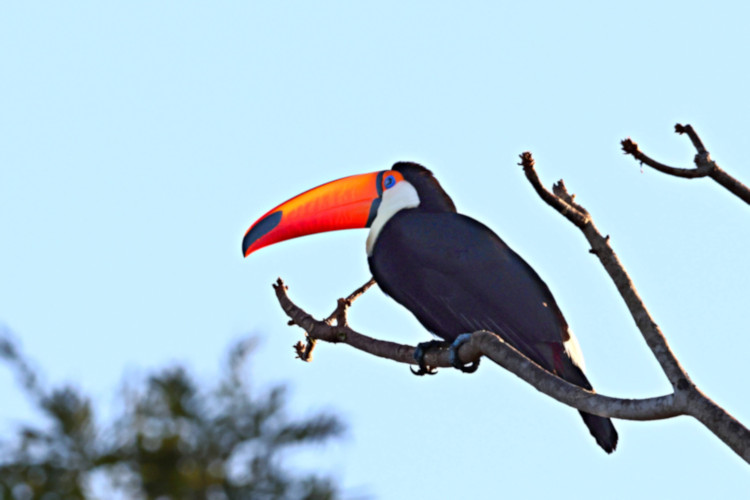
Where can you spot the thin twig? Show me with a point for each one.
(305, 349)
(693, 135)
(704, 165)
(344, 304)
(630, 147)
(570, 211)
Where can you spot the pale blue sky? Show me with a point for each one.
(139, 140)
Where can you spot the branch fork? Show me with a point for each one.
(704, 165)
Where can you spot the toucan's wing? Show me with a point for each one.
(457, 276)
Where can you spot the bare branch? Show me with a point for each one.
(568, 209)
(630, 147)
(687, 396)
(719, 422)
(339, 314)
(327, 332)
(304, 349)
(601, 248)
(490, 345)
(693, 135)
(704, 165)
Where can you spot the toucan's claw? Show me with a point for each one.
(426, 370)
(419, 353)
(470, 368)
(455, 361)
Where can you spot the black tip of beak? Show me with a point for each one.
(260, 229)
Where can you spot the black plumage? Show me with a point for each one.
(457, 276)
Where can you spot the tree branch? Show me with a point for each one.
(687, 396)
(563, 204)
(484, 343)
(561, 201)
(704, 165)
(723, 425)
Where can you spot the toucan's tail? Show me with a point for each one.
(601, 427)
(602, 430)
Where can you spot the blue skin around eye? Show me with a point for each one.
(389, 182)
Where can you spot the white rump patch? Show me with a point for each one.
(401, 196)
(574, 351)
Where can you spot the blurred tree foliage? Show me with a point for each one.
(171, 441)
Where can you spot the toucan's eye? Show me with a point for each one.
(389, 182)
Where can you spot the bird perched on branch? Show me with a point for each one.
(451, 271)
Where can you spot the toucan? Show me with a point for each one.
(452, 272)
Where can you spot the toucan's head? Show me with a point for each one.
(359, 201)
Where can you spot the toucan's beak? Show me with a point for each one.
(348, 203)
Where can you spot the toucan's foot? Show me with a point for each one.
(428, 370)
(419, 353)
(455, 361)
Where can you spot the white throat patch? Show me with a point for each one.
(401, 196)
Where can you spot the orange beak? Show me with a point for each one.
(348, 203)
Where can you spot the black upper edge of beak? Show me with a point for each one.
(260, 229)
